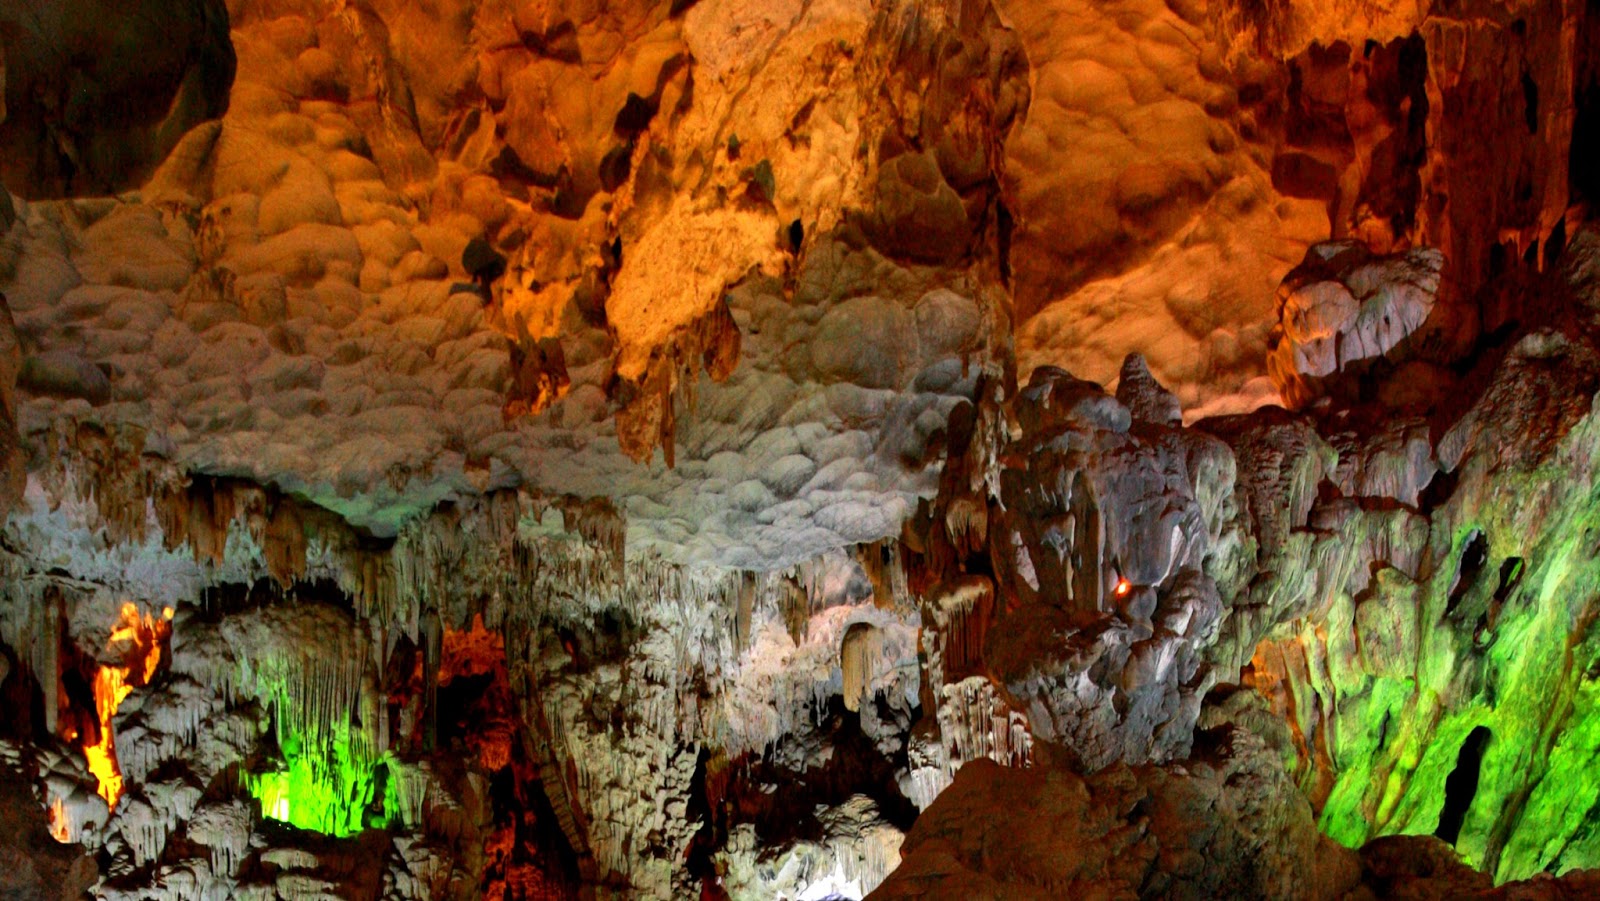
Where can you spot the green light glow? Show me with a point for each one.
(336, 797)
(331, 777)
(1532, 678)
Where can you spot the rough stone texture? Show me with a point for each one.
(1225, 824)
(32, 863)
(1098, 544)
(1341, 311)
(96, 94)
(280, 302)
(1146, 219)
(668, 449)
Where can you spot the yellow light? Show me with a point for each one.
(60, 824)
(110, 689)
(112, 685)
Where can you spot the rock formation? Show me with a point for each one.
(722, 449)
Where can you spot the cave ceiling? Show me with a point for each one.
(794, 448)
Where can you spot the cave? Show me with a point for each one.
(671, 449)
(1461, 786)
(1473, 557)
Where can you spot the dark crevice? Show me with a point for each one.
(1510, 576)
(712, 833)
(1461, 786)
(1438, 491)
(1530, 103)
(1470, 570)
(857, 766)
(635, 116)
(218, 601)
(607, 641)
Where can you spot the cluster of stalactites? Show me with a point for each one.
(35, 609)
(32, 625)
(442, 560)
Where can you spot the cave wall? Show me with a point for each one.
(647, 449)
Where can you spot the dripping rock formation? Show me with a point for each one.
(531, 449)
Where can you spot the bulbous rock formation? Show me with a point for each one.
(1341, 311)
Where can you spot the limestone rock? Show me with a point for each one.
(144, 75)
(1145, 832)
(342, 355)
(1342, 310)
(64, 374)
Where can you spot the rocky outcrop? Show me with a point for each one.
(1406, 633)
(1098, 543)
(337, 556)
(97, 94)
(1227, 823)
(1342, 311)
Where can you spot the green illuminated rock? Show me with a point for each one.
(1402, 642)
(339, 796)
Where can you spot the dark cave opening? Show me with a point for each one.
(1437, 491)
(606, 641)
(465, 698)
(527, 854)
(1392, 188)
(711, 813)
(1473, 557)
(857, 767)
(1510, 577)
(220, 600)
(1461, 786)
(21, 699)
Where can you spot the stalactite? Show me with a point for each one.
(225, 830)
(646, 419)
(857, 655)
(956, 625)
(47, 657)
(600, 524)
(977, 723)
(103, 466)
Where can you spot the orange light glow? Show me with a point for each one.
(60, 824)
(110, 688)
(144, 636)
(1122, 589)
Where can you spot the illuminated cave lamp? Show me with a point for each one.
(1122, 588)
